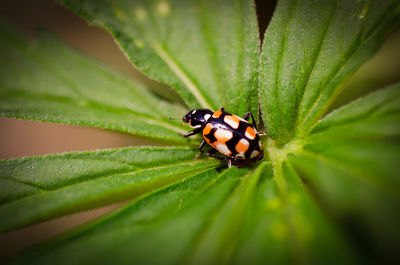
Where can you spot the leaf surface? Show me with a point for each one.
(206, 50)
(351, 162)
(39, 188)
(310, 48)
(45, 80)
(311, 198)
(207, 226)
(135, 232)
(286, 226)
(374, 116)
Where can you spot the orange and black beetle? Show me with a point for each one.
(228, 134)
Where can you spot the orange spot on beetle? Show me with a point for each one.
(250, 133)
(232, 120)
(217, 114)
(207, 129)
(223, 149)
(222, 136)
(242, 146)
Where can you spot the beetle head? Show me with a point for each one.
(197, 117)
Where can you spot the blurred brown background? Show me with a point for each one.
(25, 138)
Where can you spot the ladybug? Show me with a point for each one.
(228, 134)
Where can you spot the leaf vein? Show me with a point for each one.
(338, 69)
(315, 59)
(354, 172)
(180, 73)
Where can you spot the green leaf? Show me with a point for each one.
(209, 213)
(217, 241)
(147, 226)
(357, 192)
(206, 50)
(372, 117)
(47, 81)
(39, 188)
(327, 192)
(351, 162)
(286, 226)
(309, 49)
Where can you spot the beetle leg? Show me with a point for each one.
(246, 116)
(254, 121)
(200, 147)
(229, 163)
(195, 131)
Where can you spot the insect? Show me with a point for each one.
(228, 134)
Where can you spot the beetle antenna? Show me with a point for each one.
(173, 119)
